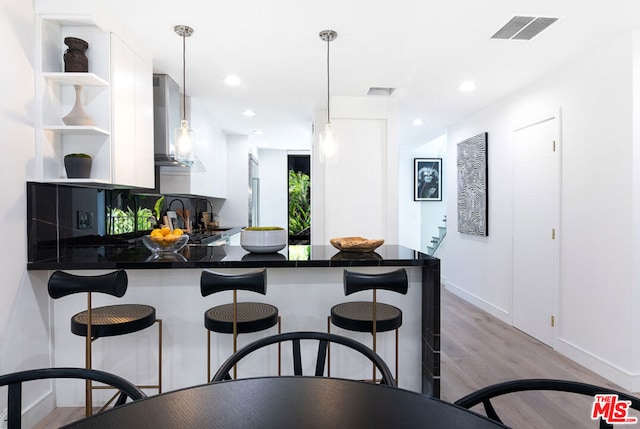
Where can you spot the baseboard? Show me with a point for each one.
(37, 411)
(619, 376)
(490, 308)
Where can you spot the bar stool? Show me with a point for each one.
(370, 316)
(237, 317)
(105, 321)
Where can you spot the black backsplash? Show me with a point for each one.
(61, 217)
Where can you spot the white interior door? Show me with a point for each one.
(535, 255)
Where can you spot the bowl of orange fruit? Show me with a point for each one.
(164, 240)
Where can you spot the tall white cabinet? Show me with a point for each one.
(132, 117)
(116, 94)
(357, 196)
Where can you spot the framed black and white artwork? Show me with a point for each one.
(427, 183)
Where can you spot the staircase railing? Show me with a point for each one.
(435, 241)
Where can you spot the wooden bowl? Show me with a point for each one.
(355, 244)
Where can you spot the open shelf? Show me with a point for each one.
(86, 79)
(76, 130)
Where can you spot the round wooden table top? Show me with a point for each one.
(288, 402)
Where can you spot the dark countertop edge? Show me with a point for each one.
(233, 257)
(53, 265)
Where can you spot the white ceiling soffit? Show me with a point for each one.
(523, 28)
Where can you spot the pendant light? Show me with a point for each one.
(328, 139)
(184, 144)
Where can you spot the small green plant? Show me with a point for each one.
(299, 202)
(157, 207)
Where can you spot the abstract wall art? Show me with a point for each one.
(473, 197)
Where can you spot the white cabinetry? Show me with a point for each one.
(132, 113)
(120, 143)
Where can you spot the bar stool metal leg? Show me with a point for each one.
(147, 386)
(88, 340)
(235, 345)
(329, 347)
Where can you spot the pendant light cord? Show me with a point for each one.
(328, 84)
(184, 78)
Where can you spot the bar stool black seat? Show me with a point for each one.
(112, 320)
(105, 321)
(237, 317)
(251, 317)
(370, 316)
(356, 316)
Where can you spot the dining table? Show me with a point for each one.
(288, 402)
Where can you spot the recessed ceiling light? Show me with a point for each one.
(232, 80)
(417, 122)
(258, 132)
(467, 86)
(249, 113)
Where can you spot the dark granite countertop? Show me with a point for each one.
(136, 256)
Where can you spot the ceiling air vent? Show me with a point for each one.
(523, 28)
(380, 91)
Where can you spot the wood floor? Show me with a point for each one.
(478, 350)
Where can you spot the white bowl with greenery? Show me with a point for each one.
(263, 239)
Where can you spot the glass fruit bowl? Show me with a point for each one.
(165, 244)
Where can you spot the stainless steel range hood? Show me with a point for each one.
(166, 117)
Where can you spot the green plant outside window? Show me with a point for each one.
(299, 202)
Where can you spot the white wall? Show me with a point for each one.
(635, 287)
(419, 219)
(24, 303)
(274, 188)
(235, 211)
(596, 303)
(408, 210)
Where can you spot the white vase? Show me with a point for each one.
(77, 115)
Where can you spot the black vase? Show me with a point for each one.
(77, 167)
(75, 59)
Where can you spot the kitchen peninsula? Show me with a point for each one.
(303, 282)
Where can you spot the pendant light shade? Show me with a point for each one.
(184, 136)
(328, 140)
(328, 145)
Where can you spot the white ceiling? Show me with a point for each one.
(424, 48)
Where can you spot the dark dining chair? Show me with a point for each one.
(322, 338)
(14, 382)
(485, 395)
